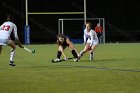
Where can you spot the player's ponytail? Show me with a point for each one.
(9, 18)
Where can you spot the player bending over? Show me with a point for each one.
(63, 42)
(6, 29)
(90, 41)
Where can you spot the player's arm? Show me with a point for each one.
(68, 41)
(71, 45)
(64, 55)
(16, 37)
(62, 50)
(84, 38)
(19, 44)
(91, 35)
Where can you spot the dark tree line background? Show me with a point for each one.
(121, 17)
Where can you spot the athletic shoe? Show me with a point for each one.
(56, 60)
(11, 63)
(91, 58)
(77, 59)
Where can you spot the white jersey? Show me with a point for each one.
(6, 29)
(90, 37)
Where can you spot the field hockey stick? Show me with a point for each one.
(29, 50)
(53, 60)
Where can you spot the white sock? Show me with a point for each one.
(91, 56)
(81, 53)
(12, 54)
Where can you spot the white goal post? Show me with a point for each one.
(61, 24)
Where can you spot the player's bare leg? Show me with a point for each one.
(91, 55)
(86, 49)
(12, 53)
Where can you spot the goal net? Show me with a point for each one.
(74, 27)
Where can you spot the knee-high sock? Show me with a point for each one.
(12, 54)
(59, 53)
(91, 56)
(74, 54)
(82, 53)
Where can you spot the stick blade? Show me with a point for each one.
(53, 61)
(29, 50)
(33, 51)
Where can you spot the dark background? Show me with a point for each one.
(121, 17)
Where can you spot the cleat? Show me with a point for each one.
(12, 63)
(91, 59)
(77, 59)
(56, 60)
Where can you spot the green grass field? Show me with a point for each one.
(115, 69)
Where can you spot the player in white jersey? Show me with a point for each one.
(90, 41)
(6, 29)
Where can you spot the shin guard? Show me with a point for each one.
(74, 54)
(59, 53)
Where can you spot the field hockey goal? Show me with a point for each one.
(74, 27)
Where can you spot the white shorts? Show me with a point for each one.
(95, 42)
(4, 41)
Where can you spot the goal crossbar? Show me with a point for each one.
(55, 13)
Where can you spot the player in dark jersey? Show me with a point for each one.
(64, 42)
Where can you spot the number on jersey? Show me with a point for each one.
(6, 27)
